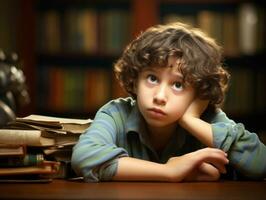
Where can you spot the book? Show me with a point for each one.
(55, 87)
(52, 137)
(248, 28)
(26, 134)
(65, 171)
(51, 31)
(25, 179)
(27, 160)
(46, 168)
(29, 126)
(230, 34)
(71, 125)
(26, 137)
(12, 150)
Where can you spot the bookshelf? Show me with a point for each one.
(62, 54)
(239, 26)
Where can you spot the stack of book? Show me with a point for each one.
(39, 148)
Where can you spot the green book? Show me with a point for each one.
(27, 160)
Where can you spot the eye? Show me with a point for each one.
(152, 79)
(178, 86)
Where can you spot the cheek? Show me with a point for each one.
(178, 110)
(142, 96)
(142, 91)
(179, 106)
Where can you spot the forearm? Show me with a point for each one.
(132, 169)
(194, 125)
(198, 128)
(176, 169)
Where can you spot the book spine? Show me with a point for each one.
(248, 28)
(27, 160)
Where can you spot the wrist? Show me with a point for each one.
(199, 128)
(185, 120)
(133, 169)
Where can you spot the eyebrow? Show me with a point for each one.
(177, 75)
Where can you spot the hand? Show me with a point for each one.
(202, 165)
(196, 108)
(194, 125)
(205, 172)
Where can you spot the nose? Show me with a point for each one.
(160, 96)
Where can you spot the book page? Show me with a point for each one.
(28, 137)
(57, 119)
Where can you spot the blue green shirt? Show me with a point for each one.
(119, 130)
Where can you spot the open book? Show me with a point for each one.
(51, 124)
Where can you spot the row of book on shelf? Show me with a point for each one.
(75, 89)
(38, 148)
(239, 32)
(85, 90)
(88, 30)
(83, 30)
(246, 92)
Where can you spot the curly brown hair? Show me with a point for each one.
(200, 55)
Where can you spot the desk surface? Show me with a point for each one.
(60, 189)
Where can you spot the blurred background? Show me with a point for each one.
(67, 48)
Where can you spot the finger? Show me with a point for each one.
(215, 157)
(207, 172)
(213, 152)
(216, 163)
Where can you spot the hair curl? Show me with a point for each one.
(200, 55)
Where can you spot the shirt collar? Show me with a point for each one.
(135, 121)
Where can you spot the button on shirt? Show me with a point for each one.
(119, 130)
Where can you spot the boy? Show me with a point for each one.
(176, 81)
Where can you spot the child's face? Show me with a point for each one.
(161, 96)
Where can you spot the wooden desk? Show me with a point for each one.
(60, 189)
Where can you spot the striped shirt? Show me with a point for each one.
(119, 130)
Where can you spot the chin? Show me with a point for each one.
(157, 123)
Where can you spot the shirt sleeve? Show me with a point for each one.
(95, 155)
(246, 153)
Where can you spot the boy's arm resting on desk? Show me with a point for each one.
(247, 154)
(245, 151)
(95, 155)
(194, 166)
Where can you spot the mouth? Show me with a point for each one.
(156, 112)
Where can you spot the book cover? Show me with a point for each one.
(56, 124)
(7, 150)
(27, 160)
(47, 167)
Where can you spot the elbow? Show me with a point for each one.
(86, 172)
(75, 164)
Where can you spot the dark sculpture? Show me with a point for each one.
(13, 90)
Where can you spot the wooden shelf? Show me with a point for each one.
(76, 59)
